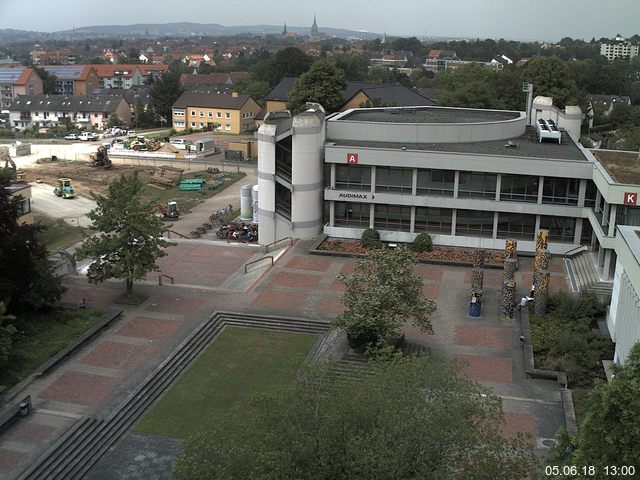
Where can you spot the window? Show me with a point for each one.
(193, 124)
(348, 214)
(560, 191)
(178, 124)
(210, 114)
(193, 113)
(474, 223)
(477, 185)
(201, 125)
(394, 179)
(24, 207)
(218, 115)
(227, 128)
(433, 220)
(590, 194)
(519, 188)
(283, 201)
(392, 217)
(201, 113)
(353, 177)
(516, 225)
(436, 182)
(561, 229)
(227, 115)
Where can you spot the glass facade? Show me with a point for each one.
(628, 215)
(519, 188)
(590, 195)
(353, 177)
(477, 185)
(560, 191)
(394, 179)
(433, 220)
(474, 223)
(516, 225)
(561, 229)
(283, 201)
(392, 217)
(283, 158)
(436, 182)
(347, 214)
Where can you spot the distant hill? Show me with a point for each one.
(177, 29)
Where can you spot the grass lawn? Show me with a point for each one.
(40, 336)
(188, 200)
(59, 234)
(239, 363)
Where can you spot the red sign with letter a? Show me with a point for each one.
(630, 198)
(352, 158)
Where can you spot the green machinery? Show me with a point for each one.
(64, 188)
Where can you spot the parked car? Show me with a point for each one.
(71, 136)
(131, 134)
(179, 143)
(87, 136)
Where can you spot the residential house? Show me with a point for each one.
(16, 81)
(127, 76)
(155, 71)
(195, 59)
(62, 55)
(88, 111)
(131, 95)
(222, 113)
(356, 95)
(73, 79)
(502, 59)
(194, 81)
(607, 102)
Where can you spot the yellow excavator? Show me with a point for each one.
(100, 158)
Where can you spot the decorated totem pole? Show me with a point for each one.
(508, 279)
(477, 284)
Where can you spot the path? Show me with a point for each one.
(99, 376)
(72, 210)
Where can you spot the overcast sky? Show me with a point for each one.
(510, 19)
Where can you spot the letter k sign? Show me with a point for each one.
(630, 198)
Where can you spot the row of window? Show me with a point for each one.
(227, 127)
(473, 223)
(517, 188)
(227, 115)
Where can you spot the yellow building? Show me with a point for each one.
(215, 112)
(25, 215)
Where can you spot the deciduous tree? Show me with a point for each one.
(324, 83)
(381, 295)
(551, 77)
(406, 419)
(130, 236)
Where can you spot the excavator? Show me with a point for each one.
(9, 170)
(167, 212)
(100, 158)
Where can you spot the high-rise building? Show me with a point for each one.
(618, 47)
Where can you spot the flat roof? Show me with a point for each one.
(623, 167)
(428, 115)
(526, 145)
(631, 236)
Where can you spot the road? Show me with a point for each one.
(72, 210)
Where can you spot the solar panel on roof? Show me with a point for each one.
(65, 71)
(10, 75)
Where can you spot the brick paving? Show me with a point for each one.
(149, 328)
(520, 423)
(95, 379)
(81, 388)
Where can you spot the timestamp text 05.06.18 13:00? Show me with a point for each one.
(621, 471)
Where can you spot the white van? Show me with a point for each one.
(179, 143)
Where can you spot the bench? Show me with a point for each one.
(163, 180)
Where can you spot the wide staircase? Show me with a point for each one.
(78, 450)
(584, 277)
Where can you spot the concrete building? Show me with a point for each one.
(16, 81)
(470, 178)
(22, 190)
(618, 47)
(623, 320)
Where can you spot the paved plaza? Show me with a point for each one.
(210, 277)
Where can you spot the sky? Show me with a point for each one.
(509, 19)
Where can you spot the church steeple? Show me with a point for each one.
(314, 27)
(284, 30)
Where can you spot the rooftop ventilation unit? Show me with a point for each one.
(547, 129)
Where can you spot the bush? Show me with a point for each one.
(371, 238)
(422, 243)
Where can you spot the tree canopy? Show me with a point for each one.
(551, 77)
(130, 235)
(380, 296)
(26, 276)
(405, 419)
(324, 83)
(164, 93)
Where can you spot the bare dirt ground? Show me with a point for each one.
(85, 178)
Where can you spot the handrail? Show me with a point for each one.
(574, 250)
(163, 275)
(258, 260)
(266, 247)
(177, 233)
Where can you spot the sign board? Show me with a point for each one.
(352, 158)
(630, 198)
